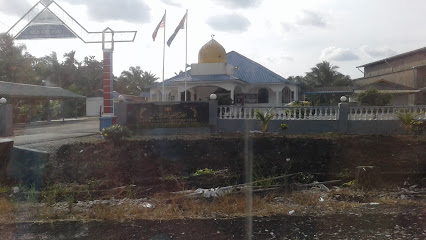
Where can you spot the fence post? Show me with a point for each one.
(213, 105)
(343, 117)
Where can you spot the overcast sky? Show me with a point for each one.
(288, 37)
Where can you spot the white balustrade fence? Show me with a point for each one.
(280, 113)
(321, 113)
(384, 113)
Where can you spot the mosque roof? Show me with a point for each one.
(247, 71)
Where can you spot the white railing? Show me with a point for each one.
(280, 113)
(384, 113)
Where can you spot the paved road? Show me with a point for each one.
(56, 131)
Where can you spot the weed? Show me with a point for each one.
(205, 171)
(348, 184)
(4, 189)
(32, 194)
(130, 191)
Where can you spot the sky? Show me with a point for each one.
(288, 37)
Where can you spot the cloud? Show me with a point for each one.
(378, 52)
(305, 19)
(287, 27)
(309, 18)
(171, 3)
(239, 3)
(15, 7)
(229, 23)
(338, 54)
(125, 10)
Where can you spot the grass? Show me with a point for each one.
(7, 210)
(4, 189)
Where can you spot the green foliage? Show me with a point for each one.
(406, 118)
(116, 133)
(32, 195)
(349, 184)
(264, 118)
(305, 178)
(53, 194)
(300, 104)
(205, 171)
(417, 127)
(283, 127)
(325, 74)
(4, 188)
(224, 100)
(134, 81)
(372, 97)
(130, 191)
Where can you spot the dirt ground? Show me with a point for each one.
(96, 190)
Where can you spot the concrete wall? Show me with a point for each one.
(26, 166)
(388, 127)
(6, 120)
(6, 146)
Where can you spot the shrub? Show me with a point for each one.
(406, 118)
(264, 118)
(116, 133)
(372, 97)
(283, 126)
(417, 127)
(205, 171)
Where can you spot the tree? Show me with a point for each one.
(16, 65)
(264, 118)
(372, 97)
(134, 81)
(90, 75)
(325, 74)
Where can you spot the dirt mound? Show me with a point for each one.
(149, 162)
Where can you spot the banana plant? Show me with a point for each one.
(264, 118)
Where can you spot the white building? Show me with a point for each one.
(229, 75)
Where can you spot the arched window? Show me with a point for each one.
(263, 96)
(286, 95)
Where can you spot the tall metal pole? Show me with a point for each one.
(164, 49)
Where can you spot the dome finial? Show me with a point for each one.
(212, 36)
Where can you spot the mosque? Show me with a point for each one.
(230, 76)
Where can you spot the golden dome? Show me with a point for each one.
(212, 52)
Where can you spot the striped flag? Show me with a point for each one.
(160, 25)
(179, 27)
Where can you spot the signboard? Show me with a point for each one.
(46, 25)
(140, 114)
(38, 31)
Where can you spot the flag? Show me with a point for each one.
(160, 25)
(179, 27)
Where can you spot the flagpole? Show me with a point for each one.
(164, 50)
(186, 48)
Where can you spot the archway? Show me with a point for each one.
(263, 95)
(286, 95)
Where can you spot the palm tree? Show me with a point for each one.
(325, 74)
(135, 80)
(264, 118)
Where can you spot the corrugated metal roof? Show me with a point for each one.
(252, 72)
(393, 57)
(247, 71)
(335, 89)
(18, 90)
(199, 78)
(384, 85)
